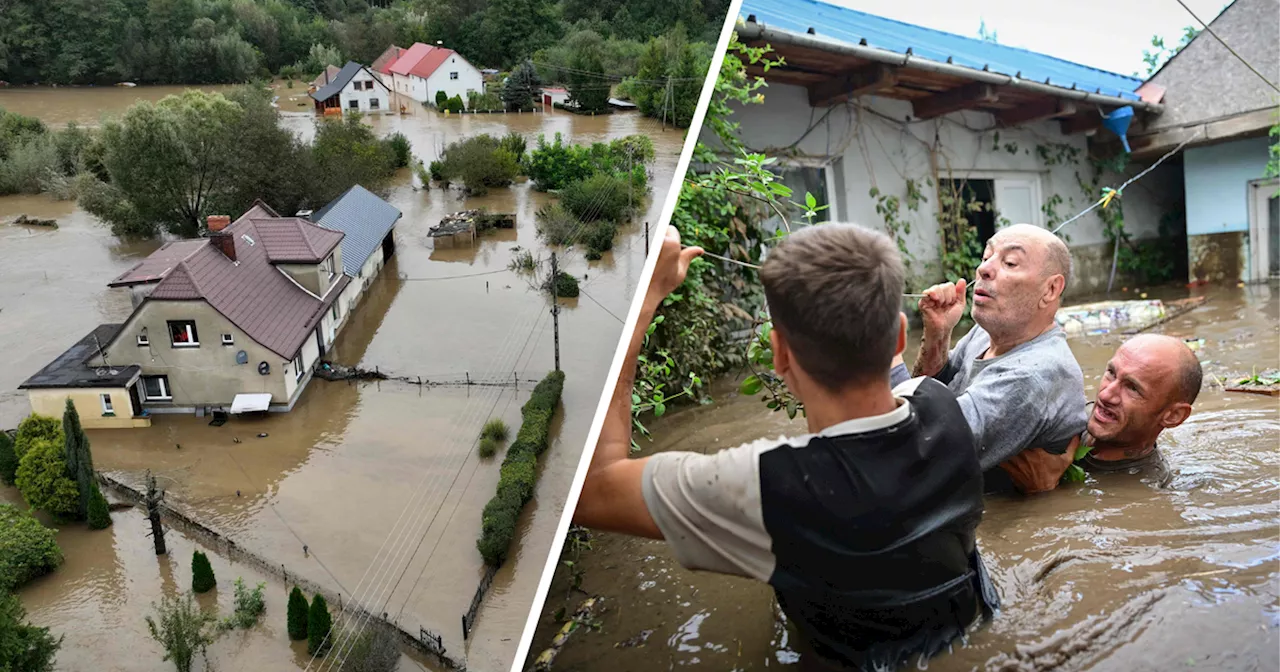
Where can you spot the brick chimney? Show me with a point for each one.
(220, 237)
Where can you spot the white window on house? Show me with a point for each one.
(453, 75)
(327, 265)
(354, 104)
(142, 339)
(182, 334)
(334, 311)
(156, 388)
(373, 103)
(802, 180)
(297, 367)
(107, 409)
(228, 339)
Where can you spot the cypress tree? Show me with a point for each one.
(318, 624)
(78, 458)
(99, 512)
(297, 615)
(8, 460)
(202, 579)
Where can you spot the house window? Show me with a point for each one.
(156, 388)
(143, 340)
(373, 103)
(107, 409)
(453, 75)
(802, 180)
(334, 312)
(182, 334)
(228, 339)
(297, 367)
(328, 266)
(353, 104)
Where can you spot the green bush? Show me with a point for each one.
(202, 579)
(598, 237)
(319, 623)
(24, 647)
(297, 615)
(437, 171)
(369, 650)
(42, 478)
(8, 460)
(483, 102)
(566, 285)
(27, 548)
(555, 165)
(400, 148)
(249, 605)
(31, 162)
(515, 143)
(601, 196)
(442, 100)
(76, 451)
(518, 474)
(488, 447)
(478, 162)
(99, 512)
(455, 104)
(16, 129)
(557, 225)
(496, 429)
(33, 428)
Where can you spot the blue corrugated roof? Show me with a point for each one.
(852, 26)
(365, 219)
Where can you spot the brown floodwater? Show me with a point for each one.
(357, 465)
(1110, 574)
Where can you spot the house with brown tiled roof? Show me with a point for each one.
(234, 321)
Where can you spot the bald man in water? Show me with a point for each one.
(1017, 382)
(1148, 387)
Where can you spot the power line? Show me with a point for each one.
(593, 300)
(1233, 51)
(454, 277)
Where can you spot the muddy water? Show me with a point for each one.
(1112, 574)
(337, 473)
(85, 105)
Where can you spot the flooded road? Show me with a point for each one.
(354, 466)
(1111, 574)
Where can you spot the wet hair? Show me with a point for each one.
(835, 293)
(1190, 376)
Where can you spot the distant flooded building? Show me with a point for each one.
(422, 70)
(235, 320)
(353, 89)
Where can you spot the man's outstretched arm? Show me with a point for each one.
(612, 497)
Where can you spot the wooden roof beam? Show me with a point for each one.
(966, 97)
(1088, 121)
(869, 79)
(1039, 110)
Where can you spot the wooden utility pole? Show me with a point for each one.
(555, 306)
(646, 239)
(154, 497)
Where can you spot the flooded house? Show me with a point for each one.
(422, 70)
(353, 89)
(913, 129)
(235, 321)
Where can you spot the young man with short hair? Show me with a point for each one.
(864, 527)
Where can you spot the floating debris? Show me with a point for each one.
(1128, 317)
(461, 228)
(24, 220)
(1265, 383)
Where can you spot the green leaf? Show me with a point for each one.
(1082, 451)
(810, 201)
(751, 385)
(791, 409)
(1074, 474)
(659, 409)
(635, 399)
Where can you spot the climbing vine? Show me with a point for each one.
(889, 208)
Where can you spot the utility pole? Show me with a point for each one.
(646, 239)
(154, 498)
(555, 306)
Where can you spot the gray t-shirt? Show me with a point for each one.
(1030, 397)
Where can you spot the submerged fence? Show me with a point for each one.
(469, 618)
(338, 372)
(424, 641)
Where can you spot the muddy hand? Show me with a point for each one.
(673, 265)
(943, 306)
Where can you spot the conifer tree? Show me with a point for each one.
(202, 579)
(318, 624)
(297, 615)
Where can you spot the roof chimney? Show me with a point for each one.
(220, 237)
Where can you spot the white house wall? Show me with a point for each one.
(469, 79)
(363, 96)
(411, 86)
(873, 150)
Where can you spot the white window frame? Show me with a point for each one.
(167, 394)
(105, 400)
(1259, 197)
(334, 311)
(453, 75)
(228, 339)
(327, 265)
(143, 340)
(297, 366)
(374, 104)
(353, 104)
(192, 335)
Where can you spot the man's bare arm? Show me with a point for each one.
(934, 349)
(940, 309)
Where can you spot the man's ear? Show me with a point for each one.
(781, 353)
(1175, 415)
(1054, 288)
(901, 347)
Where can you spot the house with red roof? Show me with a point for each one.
(421, 70)
(235, 321)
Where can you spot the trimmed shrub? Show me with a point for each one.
(488, 447)
(79, 459)
(566, 285)
(42, 478)
(401, 148)
(601, 196)
(297, 615)
(456, 105)
(518, 475)
(27, 548)
(33, 428)
(496, 429)
(202, 579)
(99, 513)
(23, 646)
(318, 624)
(8, 460)
(442, 99)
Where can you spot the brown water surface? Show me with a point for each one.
(1111, 574)
(354, 466)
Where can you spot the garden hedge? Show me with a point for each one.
(519, 472)
(27, 548)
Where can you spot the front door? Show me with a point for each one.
(135, 402)
(1264, 229)
(320, 342)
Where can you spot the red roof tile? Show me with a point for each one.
(410, 58)
(388, 58)
(295, 240)
(431, 62)
(159, 263)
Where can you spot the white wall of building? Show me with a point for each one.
(357, 94)
(411, 86)
(455, 77)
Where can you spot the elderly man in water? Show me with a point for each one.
(1017, 381)
(1149, 386)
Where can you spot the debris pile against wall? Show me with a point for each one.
(423, 642)
(460, 229)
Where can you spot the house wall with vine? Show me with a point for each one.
(884, 169)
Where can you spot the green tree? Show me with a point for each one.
(370, 650)
(36, 427)
(522, 89)
(1159, 54)
(318, 624)
(99, 514)
(8, 460)
(202, 578)
(79, 458)
(347, 152)
(442, 99)
(297, 614)
(588, 86)
(42, 479)
(249, 606)
(182, 629)
(27, 548)
(23, 646)
(669, 77)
